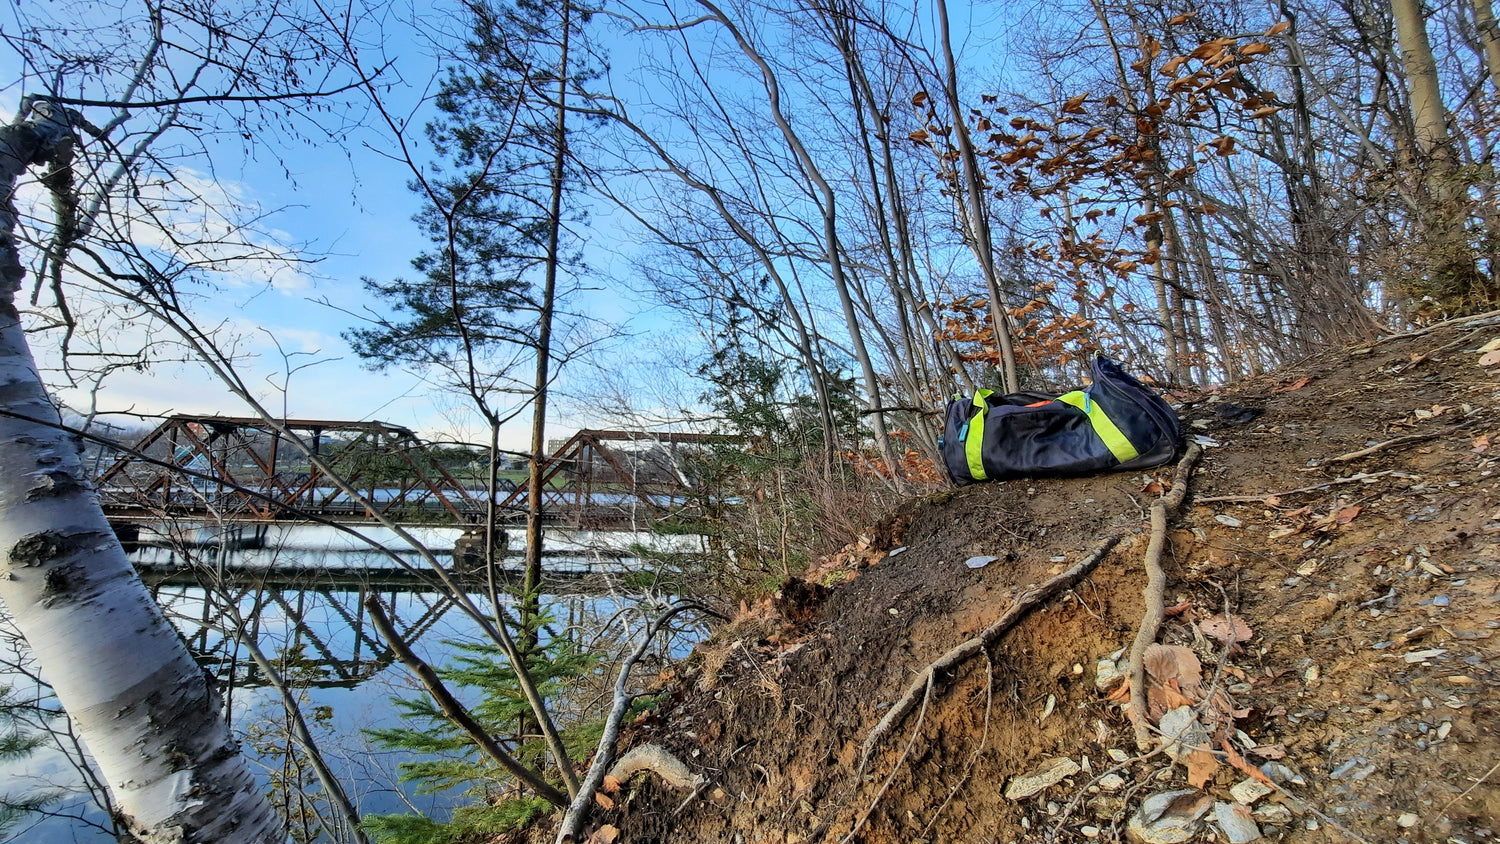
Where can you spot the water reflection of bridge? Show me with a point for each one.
(320, 637)
(243, 470)
(309, 583)
(318, 631)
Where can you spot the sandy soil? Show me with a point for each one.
(1366, 691)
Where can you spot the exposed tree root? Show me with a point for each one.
(1156, 584)
(915, 732)
(656, 759)
(936, 671)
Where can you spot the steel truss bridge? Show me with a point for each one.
(243, 470)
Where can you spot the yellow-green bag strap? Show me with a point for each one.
(974, 438)
(1114, 439)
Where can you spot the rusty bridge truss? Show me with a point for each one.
(244, 470)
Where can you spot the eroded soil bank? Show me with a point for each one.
(1366, 691)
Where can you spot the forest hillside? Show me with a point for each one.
(1344, 515)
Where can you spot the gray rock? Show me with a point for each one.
(1181, 732)
(1235, 821)
(1273, 813)
(1170, 817)
(1052, 772)
(1107, 674)
(1248, 791)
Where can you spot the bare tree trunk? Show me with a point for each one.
(831, 247)
(531, 582)
(1489, 36)
(1427, 112)
(126, 679)
(971, 183)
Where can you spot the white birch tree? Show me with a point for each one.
(119, 669)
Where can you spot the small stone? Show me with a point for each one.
(1248, 791)
(1440, 600)
(1236, 823)
(1273, 813)
(979, 562)
(1282, 774)
(1407, 820)
(1089, 831)
(1117, 755)
(1170, 817)
(1227, 520)
(1444, 730)
(1181, 732)
(1107, 674)
(1422, 656)
(1052, 772)
(1111, 782)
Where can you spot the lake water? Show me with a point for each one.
(341, 671)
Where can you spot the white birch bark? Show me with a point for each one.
(121, 671)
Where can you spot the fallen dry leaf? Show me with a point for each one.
(611, 784)
(1153, 488)
(1222, 628)
(1490, 358)
(1347, 514)
(604, 835)
(605, 801)
(1269, 751)
(1482, 444)
(1166, 663)
(1201, 766)
(1296, 385)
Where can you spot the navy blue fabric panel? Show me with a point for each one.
(1057, 439)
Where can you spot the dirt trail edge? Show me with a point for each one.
(1325, 668)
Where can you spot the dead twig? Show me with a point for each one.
(1477, 783)
(1019, 608)
(1252, 499)
(456, 712)
(1482, 320)
(1366, 452)
(1156, 585)
(1426, 356)
(989, 702)
(915, 731)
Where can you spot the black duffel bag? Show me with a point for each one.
(1115, 424)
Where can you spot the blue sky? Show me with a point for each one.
(350, 205)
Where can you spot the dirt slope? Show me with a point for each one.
(1370, 678)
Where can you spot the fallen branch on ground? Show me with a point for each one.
(1023, 604)
(1485, 319)
(656, 759)
(1251, 499)
(1366, 452)
(1156, 585)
